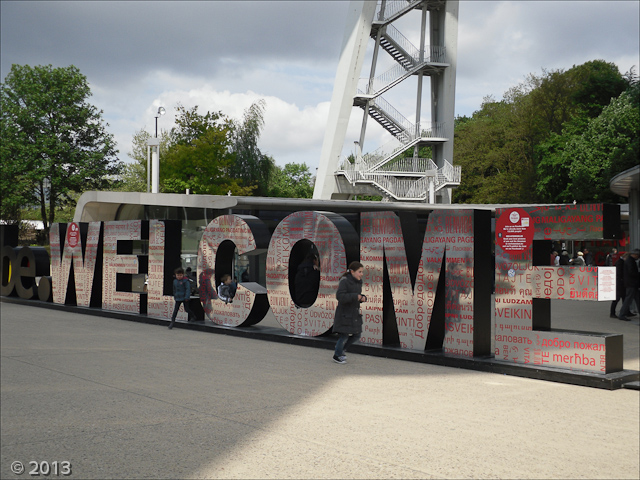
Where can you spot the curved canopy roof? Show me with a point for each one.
(626, 181)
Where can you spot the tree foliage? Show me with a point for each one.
(291, 181)
(540, 142)
(54, 142)
(251, 166)
(200, 157)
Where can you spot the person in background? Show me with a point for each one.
(245, 275)
(225, 292)
(206, 291)
(348, 319)
(631, 284)
(579, 260)
(588, 258)
(307, 280)
(564, 258)
(181, 295)
(191, 276)
(611, 259)
(555, 259)
(620, 290)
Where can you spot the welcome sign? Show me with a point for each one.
(427, 290)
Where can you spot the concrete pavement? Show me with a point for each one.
(121, 399)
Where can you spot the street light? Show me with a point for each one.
(161, 111)
(153, 157)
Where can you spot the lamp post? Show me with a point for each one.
(153, 165)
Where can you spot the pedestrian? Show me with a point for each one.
(181, 295)
(225, 289)
(631, 284)
(564, 258)
(588, 258)
(579, 260)
(307, 281)
(620, 290)
(611, 259)
(348, 319)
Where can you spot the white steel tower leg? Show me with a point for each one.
(354, 46)
(444, 31)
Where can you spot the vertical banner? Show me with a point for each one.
(71, 250)
(329, 233)
(522, 313)
(115, 264)
(222, 236)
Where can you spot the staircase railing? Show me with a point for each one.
(409, 165)
(397, 72)
(403, 42)
(395, 146)
(390, 111)
(403, 188)
(393, 8)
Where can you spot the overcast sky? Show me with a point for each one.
(224, 55)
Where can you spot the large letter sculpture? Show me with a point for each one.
(222, 236)
(449, 243)
(523, 319)
(118, 268)
(330, 233)
(165, 243)
(80, 244)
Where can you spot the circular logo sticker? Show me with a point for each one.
(514, 231)
(73, 235)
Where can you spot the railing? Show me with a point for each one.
(451, 172)
(401, 188)
(397, 145)
(403, 42)
(398, 71)
(393, 7)
(404, 188)
(409, 165)
(390, 111)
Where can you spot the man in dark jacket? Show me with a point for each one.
(620, 290)
(631, 284)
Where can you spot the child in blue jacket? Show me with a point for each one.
(181, 294)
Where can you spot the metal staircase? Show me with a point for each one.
(385, 171)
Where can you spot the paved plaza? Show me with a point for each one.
(121, 399)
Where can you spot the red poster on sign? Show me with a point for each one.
(73, 235)
(514, 231)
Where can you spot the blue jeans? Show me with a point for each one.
(344, 342)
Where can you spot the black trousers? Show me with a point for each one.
(191, 315)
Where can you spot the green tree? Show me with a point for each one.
(492, 149)
(251, 166)
(609, 145)
(54, 142)
(292, 181)
(134, 174)
(199, 157)
(513, 151)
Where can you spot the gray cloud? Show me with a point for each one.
(140, 54)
